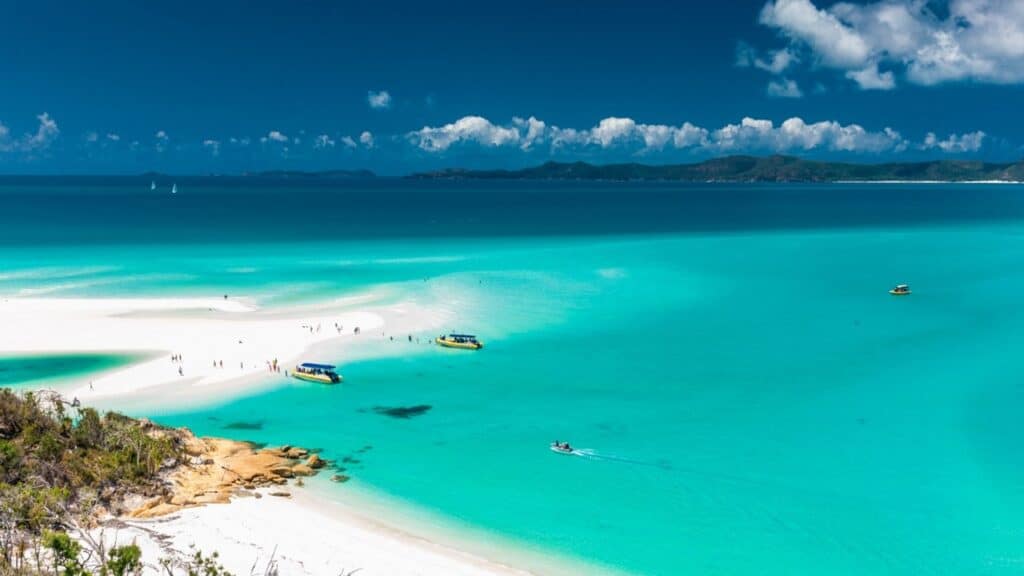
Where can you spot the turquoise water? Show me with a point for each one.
(25, 371)
(751, 398)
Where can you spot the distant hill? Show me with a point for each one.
(323, 174)
(750, 169)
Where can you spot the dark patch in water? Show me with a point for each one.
(350, 460)
(258, 425)
(364, 449)
(404, 412)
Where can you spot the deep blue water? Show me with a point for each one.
(124, 210)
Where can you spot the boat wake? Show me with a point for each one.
(593, 454)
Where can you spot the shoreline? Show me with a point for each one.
(226, 346)
(309, 532)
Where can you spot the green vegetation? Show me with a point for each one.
(752, 169)
(62, 467)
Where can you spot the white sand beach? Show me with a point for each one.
(223, 343)
(303, 534)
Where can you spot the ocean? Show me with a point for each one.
(746, 395)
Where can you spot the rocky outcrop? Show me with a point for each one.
(218, 469)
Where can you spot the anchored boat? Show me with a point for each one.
(312, 372)
(464, 341)
(900, 290)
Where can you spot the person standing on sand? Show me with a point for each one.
(180, 371)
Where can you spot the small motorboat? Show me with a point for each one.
(312, 372)
(900, 290)
(562, 447)
(463, 341)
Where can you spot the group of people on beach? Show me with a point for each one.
(177, 359)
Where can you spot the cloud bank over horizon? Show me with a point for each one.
(609, 139)
(748, 135)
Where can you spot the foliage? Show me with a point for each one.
(55, 467)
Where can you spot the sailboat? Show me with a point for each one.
(152, 185)
(174, 188)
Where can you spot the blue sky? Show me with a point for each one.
(189, 87)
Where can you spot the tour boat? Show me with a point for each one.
(900, 290)
(322, 373)
(463, 341)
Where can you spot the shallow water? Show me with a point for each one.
(35, 370)
(753, 400)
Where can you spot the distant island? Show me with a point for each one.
(751, 169)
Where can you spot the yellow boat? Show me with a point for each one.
(311, 372)
(463, 341)
(900, 290)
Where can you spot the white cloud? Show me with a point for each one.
(366, 139)
(378, 100)
(113, 137)
(45, 134)
(474, 129)
(972, 40)
(323, 141)
(161, 140)
(274, 136)
(534, 130)
(213, 146)
(749, 135)
(348, 142)
(968, 142)
(776, 62)
(871, 79)
(784, 88)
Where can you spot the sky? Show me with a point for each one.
(405, 86)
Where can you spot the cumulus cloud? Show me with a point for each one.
(274, 136)
(784, 88)
(323, 141)
(366, 139)
(45, 134)
(872, 43)
(969, 142)
(748, 135)
(378, 100)
(113, 137)
(474, 129)
(348, 142)
(160, 135)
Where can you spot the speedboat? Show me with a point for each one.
(312, 372)
(900, 290)
(463, 341)
(561, 447)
